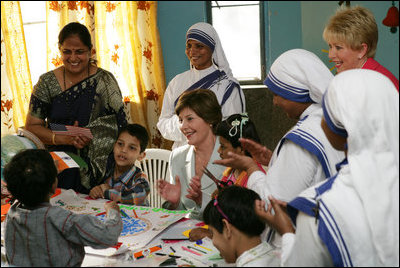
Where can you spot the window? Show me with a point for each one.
(240, 26)
(34, 22)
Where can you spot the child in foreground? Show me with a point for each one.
(39, 234)
(230, 131)
(236, 228)
(123, 181)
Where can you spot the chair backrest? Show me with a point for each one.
(156, 166)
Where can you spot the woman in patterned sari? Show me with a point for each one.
(79, 94)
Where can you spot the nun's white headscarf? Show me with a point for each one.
(363, 106)
(299, 75)
(206, 34)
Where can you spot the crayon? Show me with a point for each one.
(102, 213)
(172, 249)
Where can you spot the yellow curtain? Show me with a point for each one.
(16, 85)
(125, 42)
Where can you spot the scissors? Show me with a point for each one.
(220, 184)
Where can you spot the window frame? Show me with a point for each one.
(263, 60)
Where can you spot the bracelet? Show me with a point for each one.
(54, 139)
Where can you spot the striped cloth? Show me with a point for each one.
(131, 187)
(53, 236)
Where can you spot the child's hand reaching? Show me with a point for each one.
(279, 221)
(195, 190)
(240, 162)
(199, 233)
(170, 192)
(96, 192)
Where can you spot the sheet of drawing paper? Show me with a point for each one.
(78, 203)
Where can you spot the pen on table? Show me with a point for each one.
(172, 249)
(197, 250)
(169, 255)
(134, 212)
(124, 213)
(191, 251)
(203, 247)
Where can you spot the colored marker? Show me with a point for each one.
(134, 212)
(169, 255)
(172, 249)
(203, 247)
(146, 252)
(102, 213)
(191, 251)
(124, 213)
(197, 250)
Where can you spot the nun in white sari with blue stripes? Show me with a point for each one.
(304, 156)
(214, 74)
(352, 219)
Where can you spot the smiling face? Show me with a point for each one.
(194, 127)
(226, 146)
(199, 54)
(344, 57)
(75, 55)
(127, 150)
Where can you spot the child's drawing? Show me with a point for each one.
(137, 231)
(132, 226)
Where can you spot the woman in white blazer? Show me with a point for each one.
(199, 113)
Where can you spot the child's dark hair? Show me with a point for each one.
(139, 132)
(237, 204)
(30, 175)
(237, 126)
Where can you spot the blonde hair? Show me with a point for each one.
(353, 26)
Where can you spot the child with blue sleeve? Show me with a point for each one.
(123, 181)
(39, 234)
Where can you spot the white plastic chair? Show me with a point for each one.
(156, 166)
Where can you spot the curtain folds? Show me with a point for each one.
(16, 82)
(125, 42)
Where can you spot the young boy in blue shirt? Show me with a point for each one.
(123, 181)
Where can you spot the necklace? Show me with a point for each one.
(70, 82)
